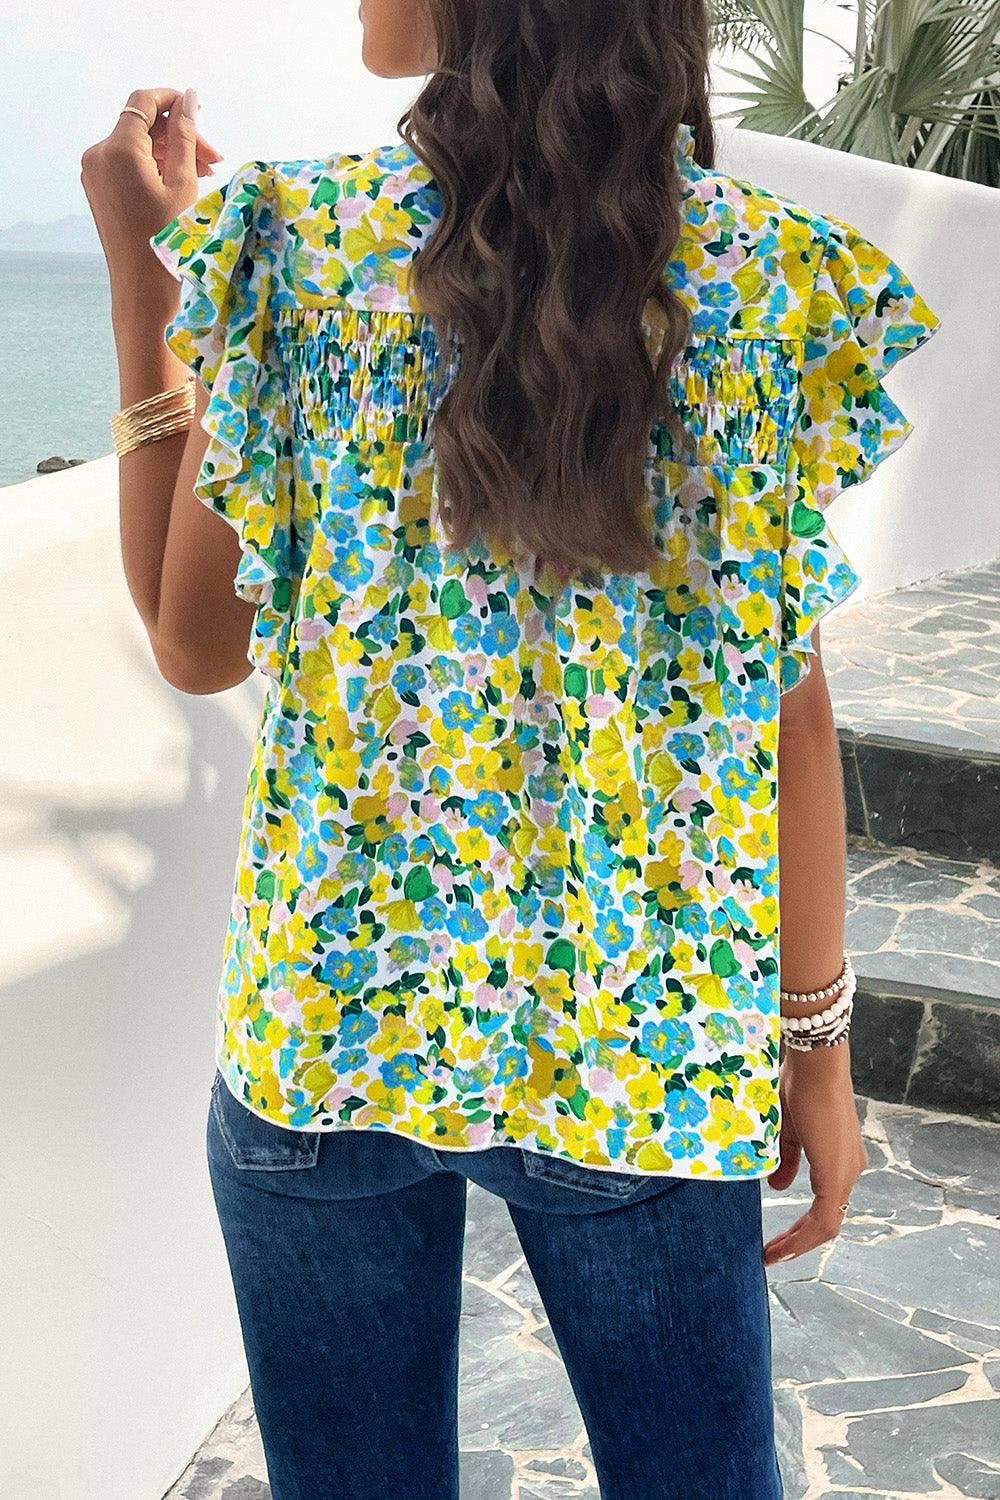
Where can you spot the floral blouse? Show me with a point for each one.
(508, 870)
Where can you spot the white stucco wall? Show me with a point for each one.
(120, 821)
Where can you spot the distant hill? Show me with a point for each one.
(73, 232)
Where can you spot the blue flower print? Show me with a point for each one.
(663, 1040)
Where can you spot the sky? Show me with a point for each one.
(275, 78)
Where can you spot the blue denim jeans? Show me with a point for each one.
(346, 1256)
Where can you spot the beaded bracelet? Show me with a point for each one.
(802, 1045)
(810, 997)
(824, 1028)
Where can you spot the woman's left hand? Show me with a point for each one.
(136, 180)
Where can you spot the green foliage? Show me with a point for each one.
(921, 87)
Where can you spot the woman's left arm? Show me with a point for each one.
(179, 561)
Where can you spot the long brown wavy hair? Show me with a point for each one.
(549, 127)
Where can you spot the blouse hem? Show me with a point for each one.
(764, 1169)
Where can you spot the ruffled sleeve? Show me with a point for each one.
(864, 316)
(222, 251)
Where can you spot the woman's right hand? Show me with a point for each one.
(819, 1117)
(138, 178)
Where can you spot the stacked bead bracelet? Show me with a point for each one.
(156, 417)
(826, 1027)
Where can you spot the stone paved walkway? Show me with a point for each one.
(921, 664)
(886, 1343)
(912, 915)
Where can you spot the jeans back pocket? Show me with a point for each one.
(602, 1181)
(256, 1144)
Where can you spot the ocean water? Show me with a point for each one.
(58, 376)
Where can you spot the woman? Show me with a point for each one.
(523, 427)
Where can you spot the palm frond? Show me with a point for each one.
(923, 88)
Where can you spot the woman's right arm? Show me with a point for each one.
(179, 562)
(817, 1097)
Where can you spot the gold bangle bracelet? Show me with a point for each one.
(153, 418)
(138, 439)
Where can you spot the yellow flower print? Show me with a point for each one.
(493, 903)
(265, 1096)
(526, 960)
(450, 744)
(579, 908)
(438, 632)
(552, 847)
(610, 758)
(682, 953)
(395, 221)
(394, 1035)
(760, 840)
(318, 666)
(646, 1091)
(317, 1079)
(709, 989)
(765, 914)
(759, 1094)
(542, 1073)
(481, 768)
(505, 676)
(319, 229)
(726, 1122)
(432, 1013)
(370, 812)
(322, 1015)
(598, 1114)
(757, 614)
(385, 1100)
(554, 989)
(471, 1048)
(286, 837)
(473, 846)
(469, 962)
(520, 1123)
(342, 767)
(423, 1125)
(578, 1136)
(402, 915)
(293, 938)
(653, 1157)
(275, 1033)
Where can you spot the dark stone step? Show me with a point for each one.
(902, 792)
(924, 935)
(913, 679)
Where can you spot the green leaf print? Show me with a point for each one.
(562, 955)
(327, 191)
(264, 885)
(575, 682)
(418, 884)
(805, 520)
(722, 960)
(577, 1101)
(454, 601)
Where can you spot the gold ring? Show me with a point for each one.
(130, 109)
